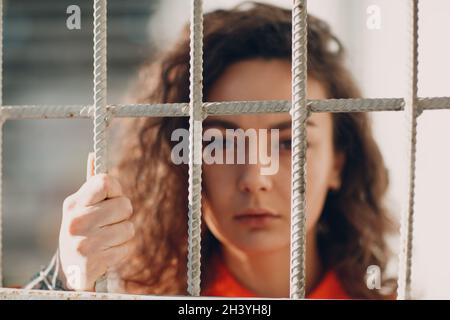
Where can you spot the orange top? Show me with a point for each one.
(225, 285)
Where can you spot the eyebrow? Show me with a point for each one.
(231, 125)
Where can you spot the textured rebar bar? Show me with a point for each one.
(411, 114)
(217, 108)
(100, 94)
(195, 148)
(214, 108)
(299, 113)
(356, 105)
(437, 103)
(100, 90)
(330, 105)
(1, 143)
(27, 294)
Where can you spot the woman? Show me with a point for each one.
(138, 214)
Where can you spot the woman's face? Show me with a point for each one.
(231, 189)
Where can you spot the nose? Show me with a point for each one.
(252, 181)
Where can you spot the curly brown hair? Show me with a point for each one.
(354, 222)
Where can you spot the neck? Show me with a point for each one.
(267, 273)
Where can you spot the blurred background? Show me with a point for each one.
(45, 63)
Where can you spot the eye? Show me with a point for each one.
(222, 142)
(286, 144)
(227, 143)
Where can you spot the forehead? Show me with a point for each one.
(262, 79)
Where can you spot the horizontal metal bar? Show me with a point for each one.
(87, 111)
(357, 105)
(246, 107)
(44, 112)
(438, 103)
(151, 110)
(330, 105)
(218, 108)
(22, 294)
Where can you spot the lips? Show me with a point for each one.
(257, 218)
(256, 213)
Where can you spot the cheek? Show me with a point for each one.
(218, 185)
(318, 169)
(283, 178)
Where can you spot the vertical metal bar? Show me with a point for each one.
(412, 111)
(100, 103)
(299, 113)
(195, 147)
(1, 143)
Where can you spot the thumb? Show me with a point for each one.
(90, 165)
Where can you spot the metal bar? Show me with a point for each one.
(299, 113)
(214, 108)
(356, 105)
(21, 294)
(330, 105)
(1, 143)
(87, 111)
(8, 293)
(100, 95)
(438, 103)
(411, 113)
(195, 148)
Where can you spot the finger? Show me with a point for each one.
(90, 165)
(113, 235)
(90, 219)
(115, 255)
(115, 210)
(97, 188)
(105, 238)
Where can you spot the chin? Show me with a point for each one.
(261, 246)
